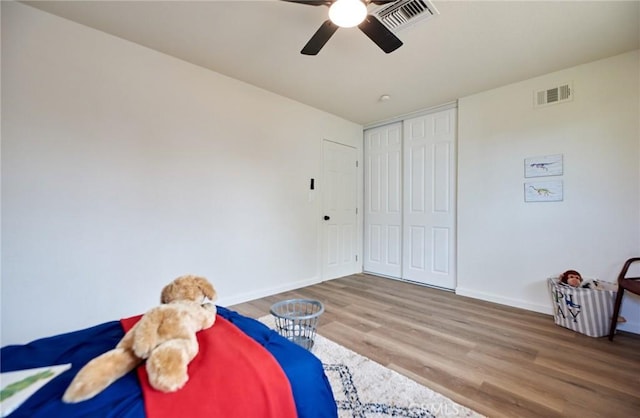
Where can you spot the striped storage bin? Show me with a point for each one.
(587, 311)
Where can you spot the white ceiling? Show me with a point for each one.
(470, 47)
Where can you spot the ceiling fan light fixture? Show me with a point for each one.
(347, 13)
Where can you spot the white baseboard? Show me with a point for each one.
(268, 291)
(629, 326)
(545, 309)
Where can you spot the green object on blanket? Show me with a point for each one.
(16, 387)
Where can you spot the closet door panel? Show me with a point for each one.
(429, 206)
(383, 200)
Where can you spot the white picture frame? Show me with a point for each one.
(542, 166)
(543, 191)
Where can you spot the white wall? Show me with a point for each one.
(506, 247)
(123, 168)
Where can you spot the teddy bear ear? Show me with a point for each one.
(166, 295)
(206, 288)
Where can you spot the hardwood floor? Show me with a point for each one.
(497, 360)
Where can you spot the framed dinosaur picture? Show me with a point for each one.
(543, 191)
(546, 165)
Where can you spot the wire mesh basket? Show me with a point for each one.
(297, 320)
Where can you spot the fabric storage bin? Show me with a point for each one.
(584, 310)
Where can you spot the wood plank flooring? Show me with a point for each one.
(497, 360)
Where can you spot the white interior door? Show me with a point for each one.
(339, 191)
(429, 199)
(383, 200)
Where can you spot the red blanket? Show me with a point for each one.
(231, 376)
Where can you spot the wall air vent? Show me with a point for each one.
(559, 94)
(404, 13)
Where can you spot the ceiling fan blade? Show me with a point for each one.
(379, 34)
(312, 2)
(317, 41)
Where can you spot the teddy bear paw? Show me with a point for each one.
(143, 347)
(167, 367)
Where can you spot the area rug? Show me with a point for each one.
(366, 389)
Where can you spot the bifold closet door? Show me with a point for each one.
(429, 199)
(383, 200)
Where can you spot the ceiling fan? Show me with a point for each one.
(349, 13)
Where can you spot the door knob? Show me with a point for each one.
(326, 217)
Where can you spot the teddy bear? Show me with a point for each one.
(164, 337)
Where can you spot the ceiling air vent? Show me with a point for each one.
(559, 94)
(404, 13)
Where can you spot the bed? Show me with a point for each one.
(309, 387)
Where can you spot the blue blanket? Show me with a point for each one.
(123, 399)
